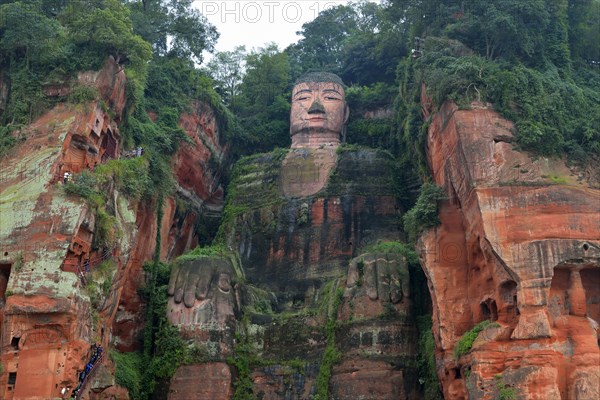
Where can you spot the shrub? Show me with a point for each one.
(463, 346)
(551, 114)
(128, 371)
(424, 213)
(107, 231)
(83, 94)
(129, 175)
(505, 392)
(83, 185)
(99, 282)
(170, 351)
(395, 248)
(426, 360)
(242, 362)
(7, 141)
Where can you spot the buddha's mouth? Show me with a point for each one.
(317, 119)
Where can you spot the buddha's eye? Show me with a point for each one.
(332, 98)
(302, 98)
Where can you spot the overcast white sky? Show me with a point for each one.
(254, 23)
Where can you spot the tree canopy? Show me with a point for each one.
(173, 27)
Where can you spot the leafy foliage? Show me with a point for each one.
(83, 185)
(130, 176)
(216, 250)
(262, 105)
(105, 28)
(463, 346)
(371, 130)
(82, 94)
(174, 28)
(129, 367)
(107, 231)
(519, 57)
(26, 33)
(505, 392)
(99, 282)
(226, 68)
(424, 214)
(552, 115)
(355, 41)
(87, 186)
(7, 140)
(426, 361)
(331, 355)
(395, 248)
(242, 363)
(163, 349)
(46, 41)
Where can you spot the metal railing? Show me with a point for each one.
(82, 270)
(80, 389)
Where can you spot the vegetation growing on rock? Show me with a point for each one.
(464, 345)
(537, 64)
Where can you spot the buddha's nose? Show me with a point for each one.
(316, 108)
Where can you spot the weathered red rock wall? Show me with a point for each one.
(215, 380)
(519, 244)
(196, 166)
(46, 236)
(46, 321)
(296, 222)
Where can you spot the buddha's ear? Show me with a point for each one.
(346, 113)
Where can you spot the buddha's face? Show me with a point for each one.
(318, 107)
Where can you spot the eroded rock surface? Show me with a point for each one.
(519, 244)
(197, 167)
(49, 314)
(46, 236)
(296, 254)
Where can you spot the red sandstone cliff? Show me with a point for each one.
(195, 166)
(47, 319)
(519, 244)
(48, 315)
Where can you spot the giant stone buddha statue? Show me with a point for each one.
(301, 228)
(319, 111)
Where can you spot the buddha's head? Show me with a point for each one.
(319, 110)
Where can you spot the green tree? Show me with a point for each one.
(584, 27)
(263, 104)
(503, 28)
(173, 27)
(372, 51)
(27, 34)
(267, 75)
(422, 18)
(321, 48)
(104, 27)
(356, 41)
(227, 69)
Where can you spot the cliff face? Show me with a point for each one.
(307, 282)
(198, 201)
(47, 322)
(519, 244)
(304, 298)
(50, 313)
